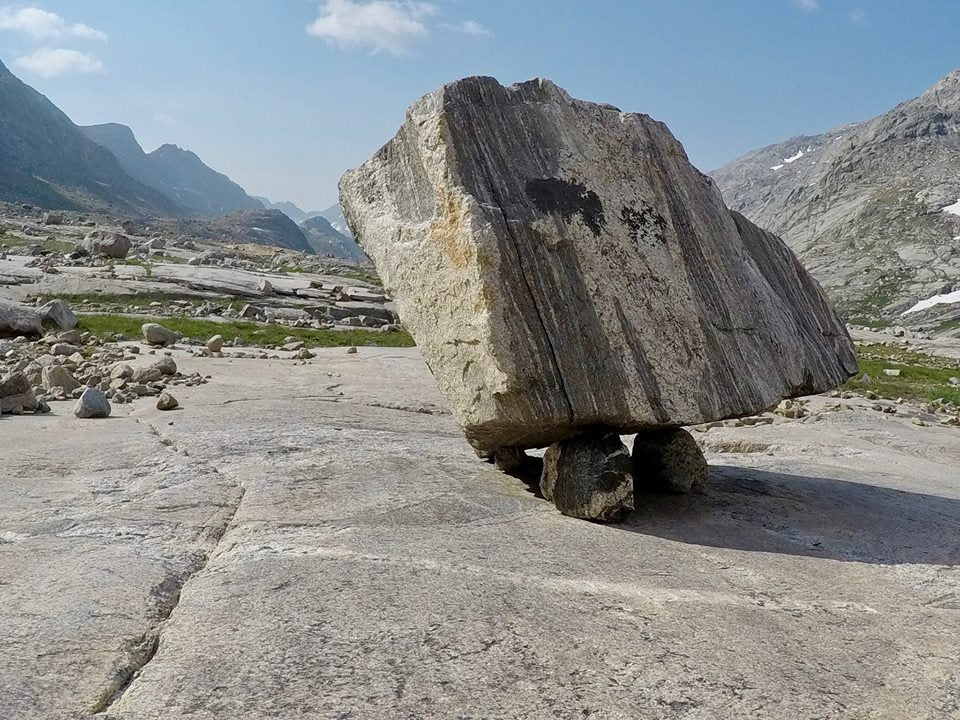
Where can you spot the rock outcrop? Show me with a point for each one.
(563, 266)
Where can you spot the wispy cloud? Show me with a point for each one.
(807, 4)
(392, 26)
(50, 62)
(44, 25)
(468, 27)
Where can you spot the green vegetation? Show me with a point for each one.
(368, 276)
(145, 264)
(922, 377)
(249, 333)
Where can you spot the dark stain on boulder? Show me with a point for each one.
(569, 198)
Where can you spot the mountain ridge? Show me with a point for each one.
(48, 161)
(862, 205)
(173, 171)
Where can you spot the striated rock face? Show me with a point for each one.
(561, 265)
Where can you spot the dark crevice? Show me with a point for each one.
(166, 596)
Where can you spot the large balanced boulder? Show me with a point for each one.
(17, 320)
(562, 265)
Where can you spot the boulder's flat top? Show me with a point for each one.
(344, 556)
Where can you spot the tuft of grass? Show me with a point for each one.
(249, 333)
(922, 377)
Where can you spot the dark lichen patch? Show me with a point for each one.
(644, 224)
(569, 198)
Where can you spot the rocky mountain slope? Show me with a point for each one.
(46, 160)
(287, 208)
(326, 240)
(179, 174)
(871, 208)
(261, 227)
(334, 215)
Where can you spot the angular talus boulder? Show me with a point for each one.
(562, 265)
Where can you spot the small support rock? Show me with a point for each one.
(589, 476)
(669, 461)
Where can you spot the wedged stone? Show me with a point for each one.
(589, 476)
(18, 320)
(58, 313)
(562, 265)
(668, 461)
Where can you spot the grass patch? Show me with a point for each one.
(145, 264)
(368, 276)
(922, 377)
(249, 333)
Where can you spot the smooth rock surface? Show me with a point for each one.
(255, 566)
(562, 265)
(589, 477)
(668, 461)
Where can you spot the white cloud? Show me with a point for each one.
(164, 119)
(394, 26)
(469, 27)
(807, 4)
(50, 62)
(43, 25)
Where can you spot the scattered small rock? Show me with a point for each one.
(166, 401)
(92, 404)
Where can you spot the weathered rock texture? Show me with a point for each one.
(589, 476)
(562, 265)
(668, 461)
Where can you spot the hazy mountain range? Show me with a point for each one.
(48, 161)
(178, 174)
(871, 208)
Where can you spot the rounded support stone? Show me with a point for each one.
(589, 477)
(668, 461)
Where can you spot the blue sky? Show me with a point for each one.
(284, 95)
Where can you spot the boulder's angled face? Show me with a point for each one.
(562, 265)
